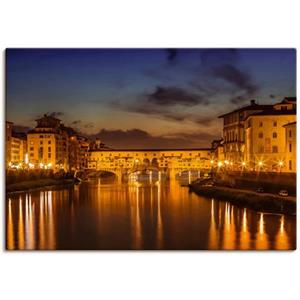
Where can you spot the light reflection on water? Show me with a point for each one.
(98, 215)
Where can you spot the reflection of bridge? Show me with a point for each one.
(171, 161)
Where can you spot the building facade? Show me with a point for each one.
(234, 131)
(290, 147)
(8, 136)
(48, 144)
(266, 140)
(18, 149)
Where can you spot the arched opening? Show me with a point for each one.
(155, 163)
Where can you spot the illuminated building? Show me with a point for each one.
(217, 152)
(290, 146)
(48, 144)
(123, 160)
(265, 147)
(78, 150)
(8, 135)
(234, 133)
(18, 148)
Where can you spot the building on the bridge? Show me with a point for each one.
(265, 147)
(181, 159)
(290, 146)
(48, 144)
(234, 131)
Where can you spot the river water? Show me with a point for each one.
(103, 214)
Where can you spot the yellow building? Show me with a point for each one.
(18, 149)
(265, 148)
(48, 144)
(8, 136)
(290, 147)
(184, 159)
(234, 132)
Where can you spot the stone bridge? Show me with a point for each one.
(170, 161)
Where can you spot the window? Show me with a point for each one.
(290, 133)
(260, 135)
(49, 155)
(49, 142)
(260, 124)
(49, 149)
(261, 149)
(274, 135)
(41, 136)
(290, 147)
(31, 148)
(275, 149)
(31, 154)
(275, 123)
(290, 165)
(41, 142)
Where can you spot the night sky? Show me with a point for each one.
(144, 98)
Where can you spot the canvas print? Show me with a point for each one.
(150, 149)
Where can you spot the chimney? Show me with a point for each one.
(252, 102)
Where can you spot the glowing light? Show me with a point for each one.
(41, 165)
(280, 163)
(220, 164)
(226, 162)
(211, 161)
(31, 166)
(260, 163)
(49, 165)
(231, 163)
(26, 159)
(243, 164)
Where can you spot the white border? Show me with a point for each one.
(144, 275)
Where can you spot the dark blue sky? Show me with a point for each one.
(171, 96)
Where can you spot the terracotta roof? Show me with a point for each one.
(249, 107)
(273, 112)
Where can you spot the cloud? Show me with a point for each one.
(223, 64)
(239, 79)
(20, 128)
(55, 114)
(140, 139)
(171, 54)
(169, 96)
(89, 125)
(76, 122)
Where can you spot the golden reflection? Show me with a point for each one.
(42, 232)
(137, 226)
(31, 225)
(159, 235)
(51, 228)
(213, 232)
(282, 239)
(21, 245)
(262, 242)
(10, 228)
(244, 234)
(229, 232)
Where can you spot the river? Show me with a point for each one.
(102, 214)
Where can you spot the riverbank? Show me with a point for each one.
(37, 184)
(259, 202)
